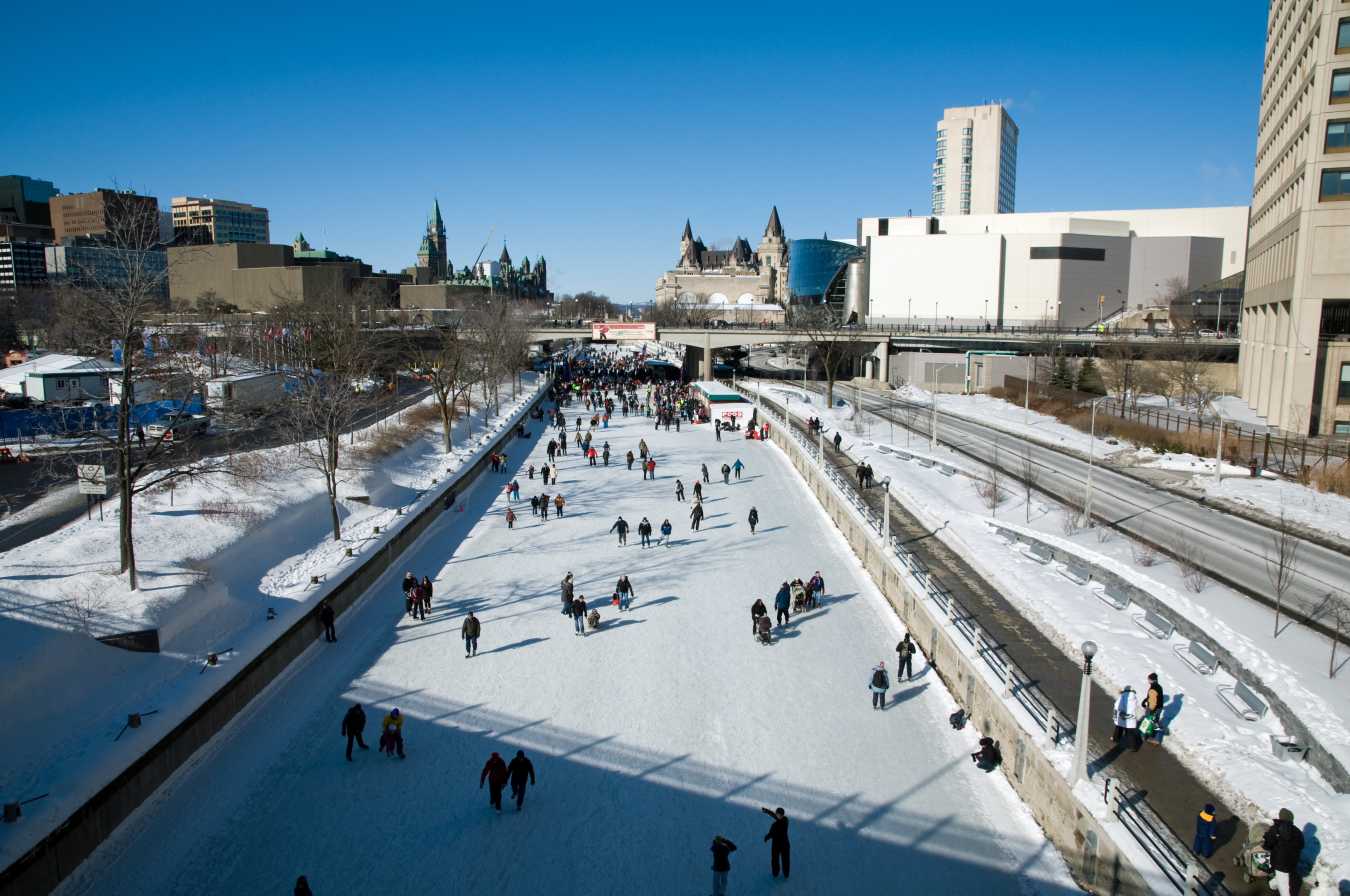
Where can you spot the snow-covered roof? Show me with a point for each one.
(11, 378)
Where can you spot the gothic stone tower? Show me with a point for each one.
(433, 253)
(773, 259)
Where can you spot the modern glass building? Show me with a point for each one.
(816, 274)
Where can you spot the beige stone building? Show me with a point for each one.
(1295, 359)
(93, 213)
(975, 163)
(261, 277)
(202, 219)
(730, 277)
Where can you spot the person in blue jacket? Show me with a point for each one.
(782, 603)
(1204, 832)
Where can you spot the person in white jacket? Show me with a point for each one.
(1125, 714)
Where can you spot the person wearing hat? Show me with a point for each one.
(780, 848)
(1285, 844)
(722, 848)
(391, 733)
(879, 684)
(1125, 714)
(1204, 832)
(1153, 706)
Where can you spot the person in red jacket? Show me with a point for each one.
(495, 773)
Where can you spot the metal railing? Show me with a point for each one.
(1182, 868)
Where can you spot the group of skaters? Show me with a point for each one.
(416, 595)
(792, 597)
(585, 617)
(780, 851)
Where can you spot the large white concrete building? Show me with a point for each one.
(1070, 268)
(1295, 358)
(975, 163)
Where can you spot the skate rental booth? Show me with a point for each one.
(723, 403)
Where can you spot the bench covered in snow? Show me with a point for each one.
(1075, 573)
(925, 461)
(1040, 553)
(1242, 700)
(1111, 595)
(946, 469)
(1156, 625)
(1198, 657)
(903, 455)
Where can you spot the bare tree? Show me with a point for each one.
(1334, 612)
(1030, 473)
(1144, 554)
(1071, 515)
(1117, 366)
(326, 403)
(444, 357)
(1282, 563)
(832, 342)
(1182, 363)
(1191, 561)
(990, 488)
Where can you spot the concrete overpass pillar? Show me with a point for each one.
(882, 354)
(707, 356)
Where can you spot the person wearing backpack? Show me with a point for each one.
(905, 651)
(879, 685)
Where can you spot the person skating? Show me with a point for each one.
(782, 602)
(717, 429)
(510, 518)
(326, 617)
(904, 652)
(624, 588)
(496, 774)
(520, 770)
(579, 614)
(726, 474)
(645, 532)
(530, 471)
(534, 505)
(409, 581)
(1205, 835)
(605, 454)
(558, 504)
(651, 468)
(1125, 715)
(879, 684)
(679, 490)
(815, 587)
(757, 611)
(753, 519)
(415, 595)
(567, 592)
(391, 734)
(353, 725)
(544, 473)
(704, 468)
(642, 448)
(696, 516)
(737, 468)
(666, 529)
(780, 849)
(629, 457)
(469, 631)
(621, 526)
(302, 887)
(722, 848)
(1285, 844)
(426, 591)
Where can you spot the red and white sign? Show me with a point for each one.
(619, 331)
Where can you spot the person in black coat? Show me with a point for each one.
(353, 723)
(780, 850)
(722, 848)
(753, 519)
(326, 617)
(757, 609)
(520, 769)
(302, 887)
(1285, 844)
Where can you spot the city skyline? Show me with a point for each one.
(562, 141)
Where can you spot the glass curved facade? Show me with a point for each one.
(816, 270)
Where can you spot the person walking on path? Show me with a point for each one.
(645, 532)
(696, 516)
(579, 614)
(391, 736)
(567, 590)
(780, 849)
(717, 429)
(704, 468)
(426, 591)
(722, 848)
(679, 490)
(738, 467)
(520, 770)
(1205, 835)
(510, 518)
(757, 611)
(666, 529)
(496, 774)
(590, 456)
(353, 724)
(698, 491)
(624, 589)
(629, 457)
(651, 468)
(815, 589)
(534, 505)
(558, 503)
(904, 652)
(621, 526)
(469, 632)
(1151, 725)
(1125, 715)
(754, 520)
(543, 506)
(419, 608)
(326, 617)
(879, 684)
(726, 474)
(409, 581)
(837, 440)
(782, 602)
(1285, 844)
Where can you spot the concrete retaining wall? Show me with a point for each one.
(1096, 860)
(1320, 759)
(60, 852)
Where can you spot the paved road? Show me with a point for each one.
(1234, 549)
(24, 484)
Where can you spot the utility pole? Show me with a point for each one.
(1026, 398)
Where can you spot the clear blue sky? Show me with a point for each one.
(590, 133)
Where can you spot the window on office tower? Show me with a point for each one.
(1338, 136)
(1335, 185)
(1340, 86)
(1343, 35)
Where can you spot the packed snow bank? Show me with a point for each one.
(207, 584)
(649, 736)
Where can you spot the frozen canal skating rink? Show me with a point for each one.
(649, 736)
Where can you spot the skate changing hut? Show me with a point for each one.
(723, 403)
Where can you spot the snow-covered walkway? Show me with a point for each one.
(667, 726)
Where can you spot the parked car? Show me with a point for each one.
(178, 429)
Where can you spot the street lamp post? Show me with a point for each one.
(932, 403)
(1080, 733)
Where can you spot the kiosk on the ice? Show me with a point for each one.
(720, 402)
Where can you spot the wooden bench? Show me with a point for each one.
(1076, 574)
(1242, 700)
(1198, 657)
(1039, 552)
(1111, 595)
(1158, 626)
(925, 462)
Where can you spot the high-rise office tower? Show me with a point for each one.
(205, 220)
(1294, 363)
(975, 167)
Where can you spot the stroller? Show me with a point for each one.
(798, 592)
(593, 619)
(1254, 859)
(764, 630)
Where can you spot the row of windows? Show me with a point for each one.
(1068, 253)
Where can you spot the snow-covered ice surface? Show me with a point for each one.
(1231, 755)
(206, 582)
(667, 726)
